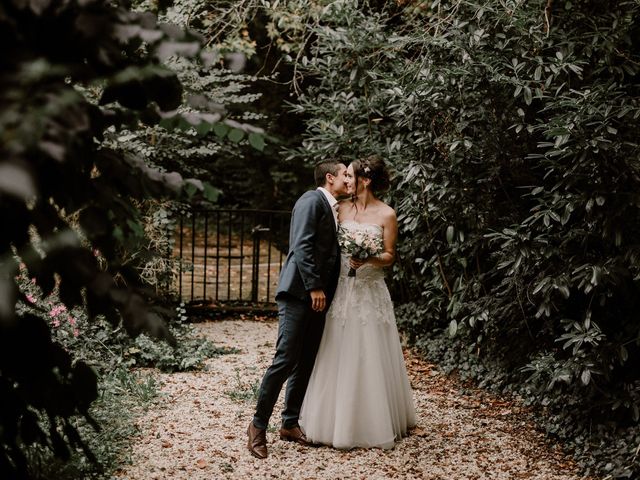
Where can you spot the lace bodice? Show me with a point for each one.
(368, 227)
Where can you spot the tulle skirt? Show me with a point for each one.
(359, 393)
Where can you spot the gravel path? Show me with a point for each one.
(198, 429)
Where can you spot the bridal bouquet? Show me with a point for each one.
(359, 244)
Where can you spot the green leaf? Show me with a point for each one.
(118, 234)
(136, 228)
(211, 193)
(256, 141)
(564, 290)
(453, 328)
(168, 123)
(183, 124)
(190, 189)
(537, 75)
(450, 232)
(220, 129)
(203, 128)
(623, 353)
(235, 135)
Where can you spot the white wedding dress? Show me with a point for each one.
(359, 393)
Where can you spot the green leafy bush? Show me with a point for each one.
(123, 390)
(512, 129)
(74, 75)
(106, 349)
(122, 396)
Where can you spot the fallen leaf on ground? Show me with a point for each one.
(419, 432)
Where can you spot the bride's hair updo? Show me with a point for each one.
(373, 168)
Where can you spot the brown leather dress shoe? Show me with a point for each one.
(294, 434)
(257, 443)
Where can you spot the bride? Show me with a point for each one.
(359, 393)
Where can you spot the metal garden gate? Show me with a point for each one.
(231, 256)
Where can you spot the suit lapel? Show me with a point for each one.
(329, 210)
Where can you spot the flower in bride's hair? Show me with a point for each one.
(367, 169)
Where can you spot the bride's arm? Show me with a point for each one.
(389, 236)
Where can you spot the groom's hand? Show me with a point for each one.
(318, 300)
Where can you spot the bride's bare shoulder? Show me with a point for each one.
(386, 212)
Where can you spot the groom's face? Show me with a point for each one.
(340, 181)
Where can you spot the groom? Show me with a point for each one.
(307, 284)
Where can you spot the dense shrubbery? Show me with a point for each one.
(513, 132)
(122, 392)
(74, 75)
(249, 84)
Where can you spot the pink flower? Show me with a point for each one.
(33, 280)
(30, 298)
(76, 332)
(57, 310)
(56, 323)
(72, 321)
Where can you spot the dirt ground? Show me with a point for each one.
(198, 429)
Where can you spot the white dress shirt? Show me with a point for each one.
(332, 202)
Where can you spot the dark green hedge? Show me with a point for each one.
(513, 131)
(73, 75)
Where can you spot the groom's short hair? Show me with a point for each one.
(323, 167)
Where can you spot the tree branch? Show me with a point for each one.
(547, 16)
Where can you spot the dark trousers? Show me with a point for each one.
(299, 334)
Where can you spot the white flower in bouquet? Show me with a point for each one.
(359, 244)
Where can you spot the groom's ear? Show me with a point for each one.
(328, 178)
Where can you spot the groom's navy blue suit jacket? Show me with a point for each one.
(313, 260)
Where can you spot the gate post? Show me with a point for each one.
(256, 233)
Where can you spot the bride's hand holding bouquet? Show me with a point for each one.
(360, 245)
